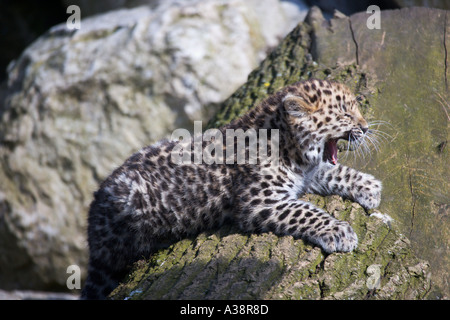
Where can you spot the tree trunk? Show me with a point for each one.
(227, 264)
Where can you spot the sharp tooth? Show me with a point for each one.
(334, 159)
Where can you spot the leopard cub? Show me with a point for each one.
(151, 200)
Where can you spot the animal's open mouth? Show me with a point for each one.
(331, 150)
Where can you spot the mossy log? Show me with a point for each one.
(227, 264)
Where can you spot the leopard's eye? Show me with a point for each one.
(359, 98)
(348, 115)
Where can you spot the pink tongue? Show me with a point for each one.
(333, 150)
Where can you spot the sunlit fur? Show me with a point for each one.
(150, 202)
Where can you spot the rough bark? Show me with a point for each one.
(226, 264)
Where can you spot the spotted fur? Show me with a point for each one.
(150, 202)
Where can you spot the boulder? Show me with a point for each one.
(401, 71)
(78, 102)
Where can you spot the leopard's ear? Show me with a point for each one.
(296, 104)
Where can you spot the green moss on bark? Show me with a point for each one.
(226, 264)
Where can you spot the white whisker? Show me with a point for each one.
(381, 134)
(379, 123)
(363, 145)
(373, 140)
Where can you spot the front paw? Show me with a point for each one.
(368, 193)
(339, 237)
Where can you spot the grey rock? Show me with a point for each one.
(79, 102)
(35, 295)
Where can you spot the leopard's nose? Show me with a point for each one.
(364, 129)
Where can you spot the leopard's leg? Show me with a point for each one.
(299, 219)
(347, 182)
